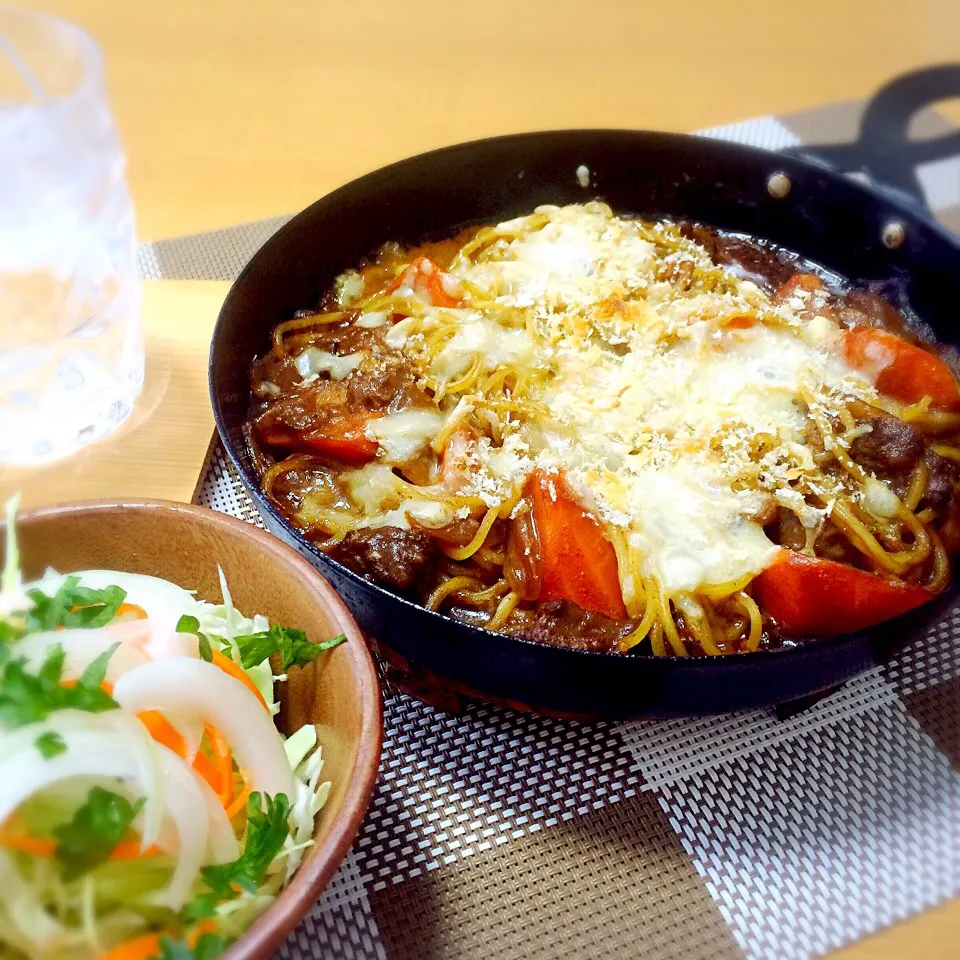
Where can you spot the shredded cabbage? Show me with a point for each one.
(299, 744)
(222, 623)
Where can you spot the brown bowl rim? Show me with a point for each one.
(306, 885)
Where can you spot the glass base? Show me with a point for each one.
(36, 437)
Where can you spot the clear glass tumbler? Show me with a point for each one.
(71, 350)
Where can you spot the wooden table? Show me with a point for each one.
(231, 110)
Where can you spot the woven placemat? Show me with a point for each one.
(496, 833)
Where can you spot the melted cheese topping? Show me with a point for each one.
(481, 336)
(312, 362)
(674, 426)
(403, 435)
(581, 255)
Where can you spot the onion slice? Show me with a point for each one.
(195, 688)
(163, 602)
(82, 646)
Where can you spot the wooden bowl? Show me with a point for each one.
(338, 692)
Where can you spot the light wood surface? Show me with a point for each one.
(236, 109)
(231, 110)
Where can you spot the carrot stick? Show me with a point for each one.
(901, 370)
(145, 947)
(224, 765)
(577, 561)
(816, 597)
(133, 610)
(239, 802)
(46, 846)
(130, 850)
(164, 732)
(341, 438)
(238, 673)
(24, 843)
(426, 278)
(208, 771)
(106, 686)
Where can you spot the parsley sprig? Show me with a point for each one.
(31, 697)
(10, 632)
(97, 826)
(50, 745)
(267, 829)
(292, 645)
(73, 606)
(188, 624)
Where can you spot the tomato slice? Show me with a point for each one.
(341, 438)
(577, 562)
(811, 596)
(901, 370)
(426, 278)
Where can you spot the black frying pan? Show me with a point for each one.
(877, 237)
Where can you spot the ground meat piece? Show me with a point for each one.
(891, 447)
(389, 556)
(562, 623)
(342, 338)
(289, 417)
(274, 373)
(390, 380)
(891, 451)
(751, 260)
(787, 530)
(309, 477)
(940, 476)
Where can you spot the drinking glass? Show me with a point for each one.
(71, 351)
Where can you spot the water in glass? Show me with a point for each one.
(71, 352)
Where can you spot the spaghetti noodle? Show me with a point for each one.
(612, 434)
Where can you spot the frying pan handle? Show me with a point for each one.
(884, 150)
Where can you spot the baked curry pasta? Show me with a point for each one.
(616, 435)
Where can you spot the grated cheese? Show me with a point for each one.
(668, 422)
(397, 335)
(349, 288)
